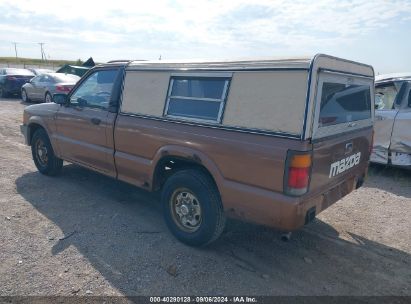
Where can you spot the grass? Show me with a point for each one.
(32, 61)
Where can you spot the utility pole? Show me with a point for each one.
(42, 51)
(15, 48)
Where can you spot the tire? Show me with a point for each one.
(3, 93)
(207, 220)
(43, 155)
(48, 97)
(24, 96)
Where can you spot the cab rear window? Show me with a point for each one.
(342, 103)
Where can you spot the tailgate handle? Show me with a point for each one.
(349, 147)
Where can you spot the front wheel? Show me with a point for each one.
(43, 155)
(192, 207)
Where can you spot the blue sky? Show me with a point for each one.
(375, 32)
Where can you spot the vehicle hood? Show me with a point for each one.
(44, 110)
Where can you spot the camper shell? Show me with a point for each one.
(273, 141)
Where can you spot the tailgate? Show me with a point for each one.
(340, 158)
(342, 133)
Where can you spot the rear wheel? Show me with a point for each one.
(3, 93)
(43, 155)
(192, 207)
(24, 96)
(48, 98)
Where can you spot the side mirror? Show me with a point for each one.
(60, 99)
(409, 99)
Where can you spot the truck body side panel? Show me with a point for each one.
(249, 159)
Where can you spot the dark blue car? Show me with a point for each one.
(12, 79)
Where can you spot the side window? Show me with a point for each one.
(95, 91)
(36, 79)
(197, 98)
(385, 96)
(47, 78)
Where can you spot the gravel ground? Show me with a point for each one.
(84, 233)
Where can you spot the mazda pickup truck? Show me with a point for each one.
(272, 141)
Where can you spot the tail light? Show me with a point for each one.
(297, 173)
(11, 78)
(61, 88)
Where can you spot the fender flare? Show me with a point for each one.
(190, 154)
(37, 120)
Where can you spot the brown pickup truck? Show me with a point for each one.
(272, 141)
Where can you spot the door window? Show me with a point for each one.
(385, 96)
(36, 79)
(47, 79)
(95, 91)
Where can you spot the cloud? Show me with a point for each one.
(186, 28)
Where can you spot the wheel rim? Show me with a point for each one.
(48, 98)
(186, 210)
(41, 153)
(24, 95)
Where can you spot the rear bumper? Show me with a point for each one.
(24, 130)
(281, 211)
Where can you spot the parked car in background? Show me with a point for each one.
(42, 87)
(41, 71)
(11, 80)
(392, 138)
(270, 141)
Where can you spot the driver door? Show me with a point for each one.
(84, 132)
(33, 91)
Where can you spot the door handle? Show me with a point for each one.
(96, 121)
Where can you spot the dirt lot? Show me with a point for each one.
(83, 233)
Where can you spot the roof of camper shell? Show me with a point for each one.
(240, 64)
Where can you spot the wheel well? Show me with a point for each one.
(169, 165)
(32, 129)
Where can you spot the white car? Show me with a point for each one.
(392, 137)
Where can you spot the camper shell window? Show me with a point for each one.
(341, 103)
(197, 98)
